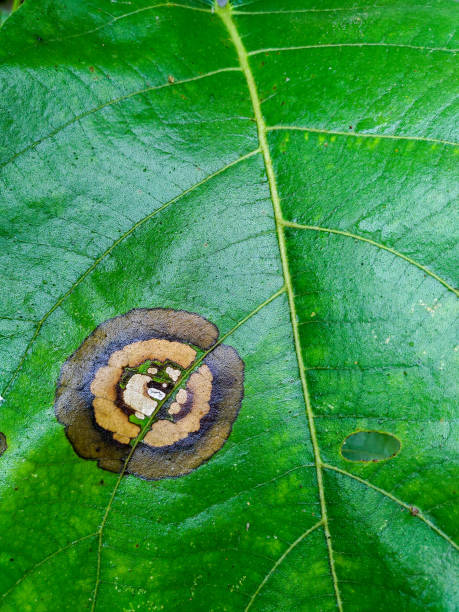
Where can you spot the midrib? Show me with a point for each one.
(225, 15)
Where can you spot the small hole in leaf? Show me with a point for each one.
(370, 446)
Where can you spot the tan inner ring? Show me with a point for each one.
(163, 432)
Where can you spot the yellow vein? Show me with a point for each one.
(226, 17)
(138, 92)
(110, 249)
(317, 228)
(360, 134)
(359, 44)
(398, 501)
(43, 561)
(148, 423)
(279, 561)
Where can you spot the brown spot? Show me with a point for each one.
(3, 444)
(118, 359)
(187, 431)
(187, 454)
(414, 511)
(105, 381)
(171, 79)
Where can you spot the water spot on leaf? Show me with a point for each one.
(370, 446)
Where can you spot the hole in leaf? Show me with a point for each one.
(370, 446)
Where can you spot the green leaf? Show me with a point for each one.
(284, 170)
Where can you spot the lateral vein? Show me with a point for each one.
(279, 561)
(295, 128)
(147, 425)
(379, 245)
(91, 111)
(45, 560)
(395, 499)
(357, 44)
(108, 251)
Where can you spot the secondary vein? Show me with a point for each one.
(379, 245)
(395, 499)
(100, 107)
(108, 251)
(357, 44)
(279, 561)
(361, 134)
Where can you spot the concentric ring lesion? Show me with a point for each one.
(134, 376)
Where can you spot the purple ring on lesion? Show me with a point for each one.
(125, 373)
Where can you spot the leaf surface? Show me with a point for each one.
(284, 170)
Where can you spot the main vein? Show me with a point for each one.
(225, 15)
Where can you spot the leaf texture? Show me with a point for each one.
(285, 170)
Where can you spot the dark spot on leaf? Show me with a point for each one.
(139, 369)
(3, 444)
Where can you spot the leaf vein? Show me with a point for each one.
(361, 134)
(395, 499)
(225, 15)
(109, 250)
(111, 103)
(28, 572)
(279, 561)
(357, 44)
(379, 245)
(148, 423)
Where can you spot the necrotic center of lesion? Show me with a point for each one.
(136, 379)
(142, 388)
(135, 383)
(198, 392)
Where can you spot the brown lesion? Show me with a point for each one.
(115, 385)
(137, 394)
(3, 444)
(185, 455)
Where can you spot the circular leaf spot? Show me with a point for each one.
(370, 446)
(150, 388)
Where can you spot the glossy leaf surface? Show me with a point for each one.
(287, 171)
